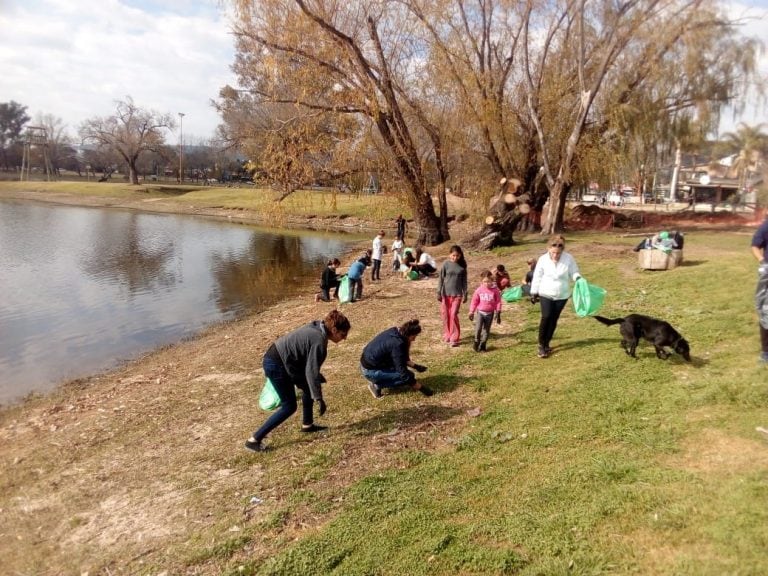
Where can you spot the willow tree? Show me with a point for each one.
(340, 59)
(129, 132)
(600, 48)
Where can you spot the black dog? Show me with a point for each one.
(658, 332)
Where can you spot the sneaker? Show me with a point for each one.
(764, 357)
(255, 446)
(543, 352)
(375, 390)
(476, 346)
(454, 344)
(482, 347)
(313, 428)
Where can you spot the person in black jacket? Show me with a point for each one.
(386, 359)
(294, 361)
(329, 280)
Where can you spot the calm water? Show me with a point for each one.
(83, 288)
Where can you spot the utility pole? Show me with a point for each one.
(181, 146)
(675, 175)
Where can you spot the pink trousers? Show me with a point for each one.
(449, 312)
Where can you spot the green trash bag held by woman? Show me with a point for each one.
(587, 298)
(268, 399)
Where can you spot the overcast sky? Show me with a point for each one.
(74, 59)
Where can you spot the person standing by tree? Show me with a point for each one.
(759, 244)
(294, 361)
(451, 292)
(400, 223)
(551, 285)
(376, 255)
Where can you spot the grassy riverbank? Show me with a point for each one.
(307, 208)
(588, 462)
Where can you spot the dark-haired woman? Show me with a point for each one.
(328, 281)
(386, 359)
(294, 361)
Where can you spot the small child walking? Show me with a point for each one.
(397, 253)
(451, 291)
(486, 301)
(329, 280)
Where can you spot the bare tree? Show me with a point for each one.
(129, 132)
(344, 58)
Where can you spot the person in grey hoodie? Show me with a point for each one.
(294, 361)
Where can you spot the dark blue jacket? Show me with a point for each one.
(388, 351)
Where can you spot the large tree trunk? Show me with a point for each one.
(556, 210)
(505, 212)
(427, 222)
(133, 174)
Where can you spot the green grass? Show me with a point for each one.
(589, 462)
(300, 203)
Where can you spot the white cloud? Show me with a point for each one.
(753, 16)
(73, 59)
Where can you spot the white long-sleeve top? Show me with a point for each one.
(552, 279)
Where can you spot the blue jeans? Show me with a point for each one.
(284, 387)
(387, 379)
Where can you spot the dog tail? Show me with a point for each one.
(608, 321)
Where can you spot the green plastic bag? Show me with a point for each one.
(345, 294)
(413, 275)
(268, 399)
(512, 294)
(587, 298)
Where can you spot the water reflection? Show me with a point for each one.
(83, 288)
(272, 267)
(123, 254)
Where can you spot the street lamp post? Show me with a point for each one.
(181, 146)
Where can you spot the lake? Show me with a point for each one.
(82, 289)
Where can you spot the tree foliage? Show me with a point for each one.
(556, 94)
(129, 132)
(13, 117)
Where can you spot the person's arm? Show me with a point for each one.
(400, 361)
(474, 302)
(440, 280)
(315, 359)
(538, 274)
(464, 288)
(758, 253)
(573, 269)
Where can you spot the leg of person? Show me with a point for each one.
(324, 295)
(478, 331)
(307, 417)
(556, 310)
(454, 304)
(359, 288)
(444, 316)
(485, 330)
(764, 344)
(544, 325)
(353, 290)
(379, 379)
(287, 393)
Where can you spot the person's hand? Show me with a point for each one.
(471, 316)
(534, 298)
(439, 298)
(323, 407)
(419, 368)
(465, 298)
(498, 317)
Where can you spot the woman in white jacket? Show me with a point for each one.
(551, 286)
